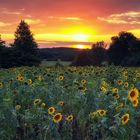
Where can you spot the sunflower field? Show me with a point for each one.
(70, 103)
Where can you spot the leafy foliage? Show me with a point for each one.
(100, 101)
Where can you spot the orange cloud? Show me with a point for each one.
(3, 24)
(33, 21)
(131, 17)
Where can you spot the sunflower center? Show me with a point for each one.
(57, 117)
(132, 94)
(125, 118)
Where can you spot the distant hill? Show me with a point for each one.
(53, 54)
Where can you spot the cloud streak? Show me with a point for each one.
(131, 17)
(65, 18)
(3, 24)
(7, 12)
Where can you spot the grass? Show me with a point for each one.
(46, 63)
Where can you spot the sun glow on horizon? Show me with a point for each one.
(80, 37)
(81, 46)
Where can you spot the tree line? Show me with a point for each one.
(124, 50)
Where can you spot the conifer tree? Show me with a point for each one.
(25, 46)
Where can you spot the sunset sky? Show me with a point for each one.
(70, 20)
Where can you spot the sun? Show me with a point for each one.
(80, 37)
(80, 46)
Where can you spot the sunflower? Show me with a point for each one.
(61, 103)
(57, 117)
(116, 95)
(69, 118)
(40, 78)
(61, 78)
(103, 89)
(120, 82)
(83, 89)
(37, 101)
(93, 115)
(115, 90)
(21, 78)
(122, 104)
(43, 105)
(18, 78)
(101, 112)
(30, 81)
(18, 107)
(132, 86)
(126, 84)
(133, 94)
(83, 81)
(135, 102)
(1, 84)
(125, 118)
(134, 79)
(51, 110)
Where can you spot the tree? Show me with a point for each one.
(84, 58)
(121, 47)
(25, 47)
(99, 53)
(2, 51)
(96, 56)
(2, 43)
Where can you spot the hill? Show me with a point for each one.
(53, 54)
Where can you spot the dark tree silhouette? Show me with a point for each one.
(99, 53)
(2, 43)
(94, 57)
(25, 47)
(2, 52)
(84, 58)
(121, 47)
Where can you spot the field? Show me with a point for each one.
(46, 63)
(69, 103)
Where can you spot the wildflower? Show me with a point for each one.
(125, 118)
(18, 107)
(51, 110)
(69, 118)
(57, 117)
(37, 101)
(133, 94)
